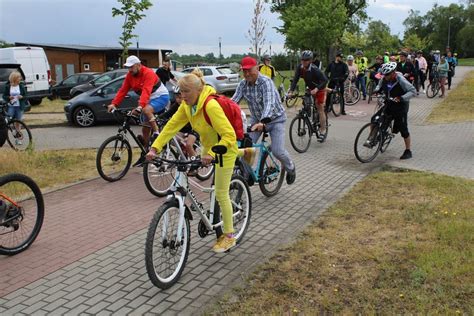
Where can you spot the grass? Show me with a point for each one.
(466, 62)
(399, 242)
(48, 106)
(458, 105)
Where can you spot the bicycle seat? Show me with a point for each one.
(219, 149)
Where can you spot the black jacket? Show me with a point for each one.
(313, 77)
(337, 71)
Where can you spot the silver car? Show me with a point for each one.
(221, 78)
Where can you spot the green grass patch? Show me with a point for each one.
(48, 106)
(400, 242)
(458, 106)
(466, 62)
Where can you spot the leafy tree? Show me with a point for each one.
(4, 44)
(379, 38)
(131, 10)
(414, 42)
(352, 41)
(256, 32)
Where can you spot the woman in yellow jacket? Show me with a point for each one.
(194, 93)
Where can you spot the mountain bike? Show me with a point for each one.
(351, 93)
(168, 238)
(434, 86)
(290, 101)
(21, 213)
(371, 85)
(268, 171)
(18, 133)
(335, 99)
(306, 124)
(375, 137)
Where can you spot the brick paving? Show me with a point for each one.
(89, 257)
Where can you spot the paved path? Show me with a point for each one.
(89, 255)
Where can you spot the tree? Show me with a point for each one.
(353, 41)
(4, 44)
(256, 34)
(379, 38)
(414, 42)
(131, 9)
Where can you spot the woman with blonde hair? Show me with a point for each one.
(443, 69)
(194, 93)
(15, 95)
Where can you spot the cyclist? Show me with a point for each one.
(422, 68)
(406, 67)
(264, 103)
(194, 92)
(266, 69)
(316, 81)
(386, 57)
(375, 69)
(153, 97)
(337, 72)
(362, 63)
(452, 65)
(396, 87)
(317, 62)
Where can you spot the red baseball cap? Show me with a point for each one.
(248, 62)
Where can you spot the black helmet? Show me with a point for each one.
(340, 54)
(267, 57)
(307, 55)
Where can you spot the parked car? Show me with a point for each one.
(5, 71)
(35, 68)
(97, 82)
(87, 108)
(221, 78)
(63, 88)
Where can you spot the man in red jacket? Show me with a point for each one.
(154, 96)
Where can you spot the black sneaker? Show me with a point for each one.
(363, 98)
(343, 113)
(322, 137)
(406, 154)
(291, 176)
(140, 161)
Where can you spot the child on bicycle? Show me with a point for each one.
(194, 92)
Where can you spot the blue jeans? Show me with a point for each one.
(15, 112)
(360, 84)
(276, 129)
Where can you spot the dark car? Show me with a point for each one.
(63, 88)
(88, 108)
(98, 81)
(5, 71)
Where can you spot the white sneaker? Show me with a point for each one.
(424, 91)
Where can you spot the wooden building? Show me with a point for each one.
(65, 60)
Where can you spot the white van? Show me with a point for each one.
(35, 66)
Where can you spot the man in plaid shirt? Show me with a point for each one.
(264, 105)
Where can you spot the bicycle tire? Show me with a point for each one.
(265, 178)
(115, 158)
(165, 172)
(337, 100)
(354, 98)
(360, 140)
(12, 139)
(170, 247)
(38, 198)
(239, 185)
(302, 129)
(291, 102)
(432, 90)
(370, 92)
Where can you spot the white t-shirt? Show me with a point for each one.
(159, 92)
(15, 92)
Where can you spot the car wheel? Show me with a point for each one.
(35, 101)
(84, 117)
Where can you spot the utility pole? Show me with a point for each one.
(138, 49)
(270, 48)
(449, 29)
(220, 48)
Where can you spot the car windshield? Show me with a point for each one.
(225, 71)
(103, 79)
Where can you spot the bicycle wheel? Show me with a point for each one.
(160, 177)
(370, 92)
(300, 134)
(432, 89)
(205, 172)
(165, 255)
(290, 102)
(336, 103)
(366, 152)
(271, 173)
(352, 96)
(114, 158)
(21, 213)
(241, 200)
(19, 135)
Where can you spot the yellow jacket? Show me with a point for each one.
(268, 71)
(209, 135)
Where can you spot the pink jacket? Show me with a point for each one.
(422, 64)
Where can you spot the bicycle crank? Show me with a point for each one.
(202, 229)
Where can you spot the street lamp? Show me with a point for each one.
(449, 28)
(220, 46)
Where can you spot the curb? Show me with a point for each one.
(48, 125)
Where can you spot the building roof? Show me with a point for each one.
(84, 47)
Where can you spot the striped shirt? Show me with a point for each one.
(262, 97)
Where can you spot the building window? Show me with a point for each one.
(87, 67)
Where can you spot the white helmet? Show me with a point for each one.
(350, 57)
(388, 68)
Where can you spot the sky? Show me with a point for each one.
(185, 26)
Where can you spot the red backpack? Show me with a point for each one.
(231, 111)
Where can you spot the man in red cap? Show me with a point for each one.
(265, 106)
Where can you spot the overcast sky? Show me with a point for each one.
(185, 26)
